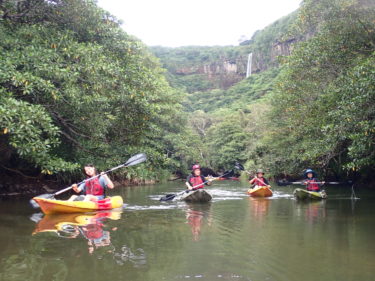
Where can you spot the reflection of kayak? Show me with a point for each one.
(302, 194)
(199, 195)
(51, 206)
(58, 222)
(260, 191)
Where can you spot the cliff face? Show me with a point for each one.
(225, 72)
(221, 74)
(264, 60)
(208, 68)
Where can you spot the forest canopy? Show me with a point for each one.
(75, 88)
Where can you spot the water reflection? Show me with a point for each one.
(137, 257)
(89, 226)
(195, 215)
(312, 211)
(259, 207)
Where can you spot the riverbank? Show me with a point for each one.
(22, 186)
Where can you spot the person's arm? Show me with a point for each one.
(266, 182)
(208, 179)
(320, 184)
(79, 188)
(188, 183)
(252, 180)
(107, 180)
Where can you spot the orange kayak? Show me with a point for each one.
(52, 206)
(260, 191)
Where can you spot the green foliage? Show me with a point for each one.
(227, 143)
(354, 117)
(324, 106)
(236, 97)
(32, 134)
(78, 89)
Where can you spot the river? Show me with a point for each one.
(232, 238)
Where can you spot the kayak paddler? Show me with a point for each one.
(196, 180)
(311, 180)
(259, 180)
(93, 189)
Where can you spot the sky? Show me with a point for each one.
(175, 23)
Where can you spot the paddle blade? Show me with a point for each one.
(227, 174)
(282, 183)
(35, 205)
(239, 166)
(136, 159)
(168, 197)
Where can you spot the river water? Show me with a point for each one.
(232, 238)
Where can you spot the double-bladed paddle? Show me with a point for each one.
(134, 160)
(171, 196)
(283, 183)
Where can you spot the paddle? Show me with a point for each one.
(239, 166)
(283, 183)
(171, 196)
(134, 160)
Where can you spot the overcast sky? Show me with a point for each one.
(177, 23)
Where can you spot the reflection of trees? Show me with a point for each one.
(33, 264)
(138, 257)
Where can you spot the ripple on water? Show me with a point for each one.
(220, 194)
(279, 194)
(224, 276)
(151, 207)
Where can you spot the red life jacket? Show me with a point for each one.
(259, 182)
(196, 182)
(312, 186)
(93, 187)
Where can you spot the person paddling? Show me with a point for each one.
(94, 189)
(259, 180)
(311, 181)
(196, 180)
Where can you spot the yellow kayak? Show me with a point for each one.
(52, 206)
(260, 191)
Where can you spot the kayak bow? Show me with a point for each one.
(195, 196)
(260, 191)
(302, 194)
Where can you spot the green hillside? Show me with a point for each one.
(309, 102)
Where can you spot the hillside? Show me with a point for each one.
(204, 68)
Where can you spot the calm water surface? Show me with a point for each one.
(233, 238)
